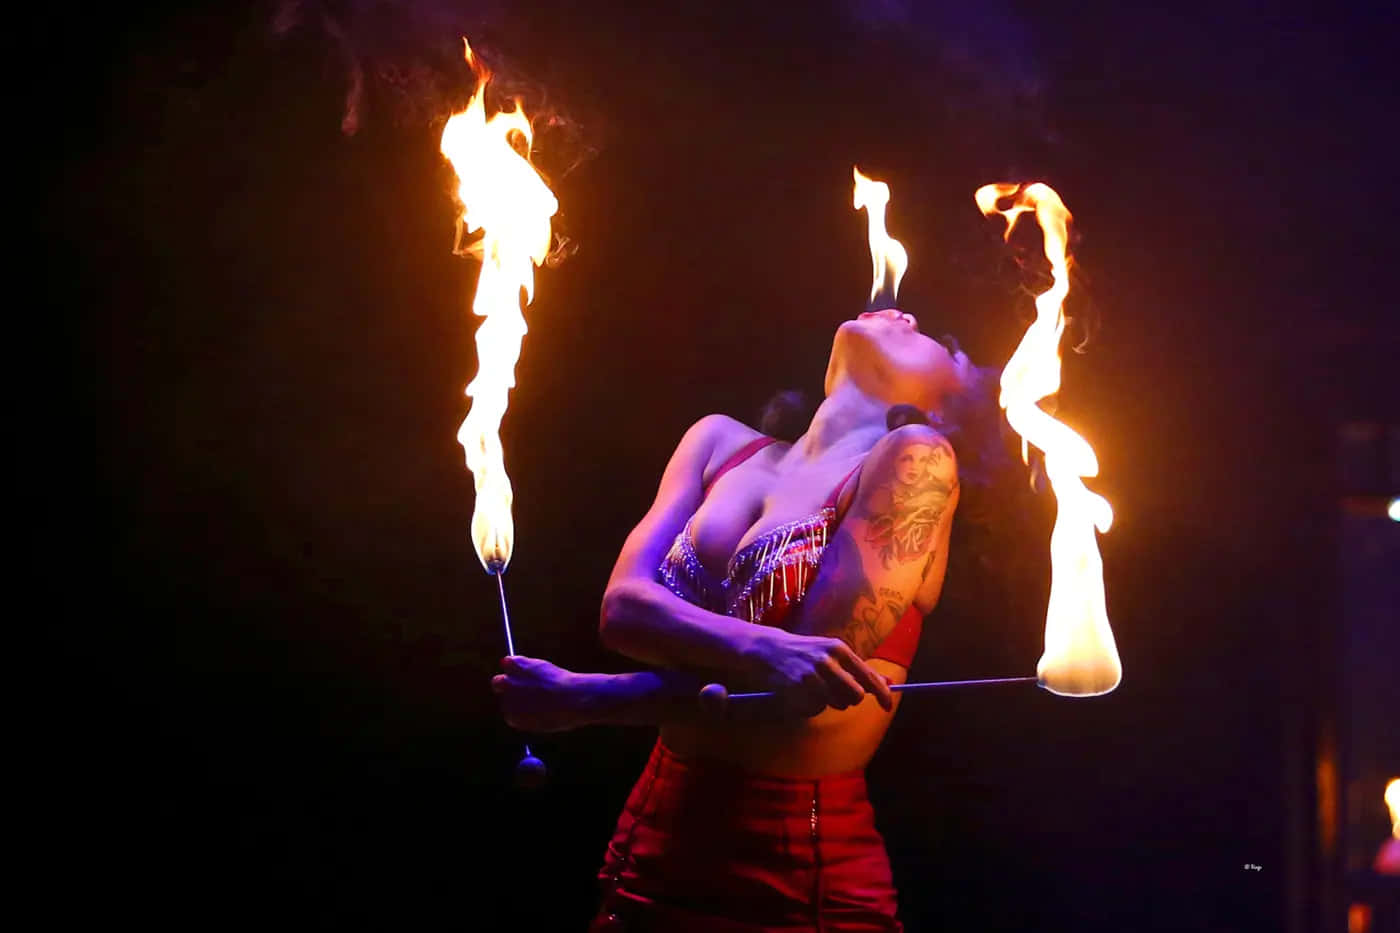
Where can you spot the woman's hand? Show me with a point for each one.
(812, 672)
(537, 696)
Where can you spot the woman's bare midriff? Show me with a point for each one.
(832, 742)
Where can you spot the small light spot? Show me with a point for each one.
(1393, 510)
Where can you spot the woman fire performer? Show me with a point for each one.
(836, 545)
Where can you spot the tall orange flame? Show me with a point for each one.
(1392, 800)
(1080, 656)
(888, 259)
(503, 196)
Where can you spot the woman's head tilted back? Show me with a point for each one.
(883, 355)
(922, 381)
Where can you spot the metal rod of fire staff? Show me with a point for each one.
(716, 697)
(530, 771)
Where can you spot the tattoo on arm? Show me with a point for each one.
(903, 518)
(872, 617)
(842, 603)
(904, 513)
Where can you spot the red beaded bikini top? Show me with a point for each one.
(768, 577)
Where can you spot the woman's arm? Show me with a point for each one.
(891, 548)
(537, 696)
(641, 618)
(645, 621)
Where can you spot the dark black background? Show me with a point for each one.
(291, 635)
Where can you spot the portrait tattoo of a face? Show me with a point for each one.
(905, 512)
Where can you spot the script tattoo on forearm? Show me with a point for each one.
(905, 511)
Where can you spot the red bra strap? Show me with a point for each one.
(743, 453)
(835, 496)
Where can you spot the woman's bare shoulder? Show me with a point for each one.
(722, 427)
(704, 444)
(720, 436)
(930, 450)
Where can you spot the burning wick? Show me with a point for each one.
(1080, 656)
(888, 259)
(503, 196)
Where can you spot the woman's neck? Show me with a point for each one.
(846, 419)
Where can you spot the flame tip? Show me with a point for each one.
(1080, 657)
(888, 258)
(504, 197)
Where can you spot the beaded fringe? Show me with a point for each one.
(762, 566)
(684, 575)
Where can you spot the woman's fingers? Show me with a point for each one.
(843, 689)
(865, 675)
(537, 696)
(525, 668)
(813, 672)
